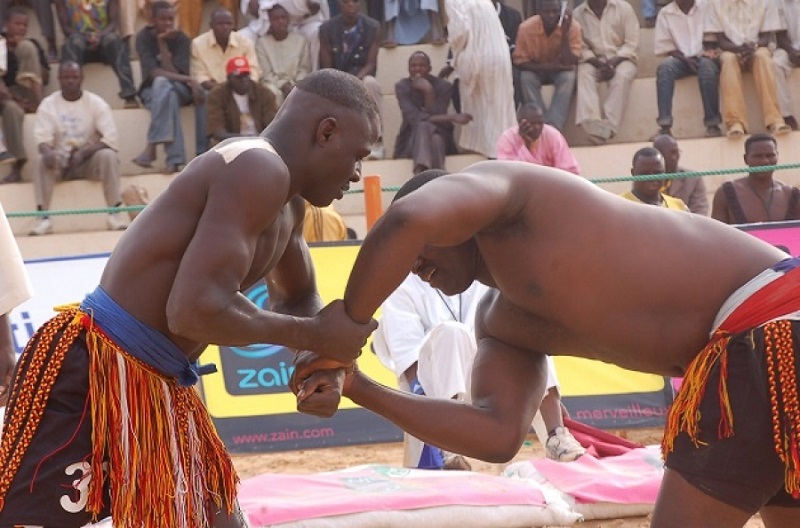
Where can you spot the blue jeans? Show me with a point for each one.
(164, 99)
(113, 50)
(649, 9)
(564, 83)
(200, 135)
(672, 69)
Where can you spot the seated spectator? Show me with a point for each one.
(240, 106)
(305, 17)
(743, 30)
(757, 197)
(648, 160)
(77, 139)
(323, 224)
(164, 55)
(428, 340)
(408, 22)
(679, 37)
(91, 34)
(610, 41)
(787, 57)
(349, 42)
(283, 55)
(534, 141)
(482, 60)
(20, 88)
(692, 191)
(426, 133)
(547, 50)
(211, 52)
(44, 14)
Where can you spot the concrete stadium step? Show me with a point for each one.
(87, 233)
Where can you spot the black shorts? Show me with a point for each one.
(49, 488)
(744, 470)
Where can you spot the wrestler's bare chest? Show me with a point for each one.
(270, 247)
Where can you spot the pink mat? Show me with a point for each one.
(273, 499)
(630, 478)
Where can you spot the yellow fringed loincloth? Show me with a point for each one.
(776, 299)
(153, 441)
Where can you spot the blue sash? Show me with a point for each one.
(139, 340)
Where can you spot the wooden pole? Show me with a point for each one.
(372, 199)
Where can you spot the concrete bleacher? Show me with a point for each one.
(612, 159)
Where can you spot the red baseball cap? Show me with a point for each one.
(237, 66)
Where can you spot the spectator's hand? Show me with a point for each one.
(77, 156)
(5, 93)
(445, 72)
(605, 72)
(693, 63)
(462, 119)
(526, 131)
(338, 336)
(421, 84)
(566, 22)
(286, 88)
(49, 159)
(198, 93)
(92, 41)
(252, 8)
(313, 7)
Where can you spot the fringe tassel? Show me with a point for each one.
(782, 377)
(165, 463)
(684, 414)
(143, 422)
(41, 364)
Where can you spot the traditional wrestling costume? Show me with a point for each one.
(734, 428)
(102, 419)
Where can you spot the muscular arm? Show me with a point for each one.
(507, 387)
(446, 212)
(291, 283)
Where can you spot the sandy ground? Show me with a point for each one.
(316, 460)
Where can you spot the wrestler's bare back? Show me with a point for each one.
(142, 270)
(586, 273)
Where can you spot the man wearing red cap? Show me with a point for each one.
(239, 106)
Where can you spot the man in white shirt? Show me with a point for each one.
(787, 57)
(77, 139)
(679, 37)
(610, 44)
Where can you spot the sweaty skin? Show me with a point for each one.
(577, 271)
(227, 222)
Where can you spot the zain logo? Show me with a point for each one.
(259, 296)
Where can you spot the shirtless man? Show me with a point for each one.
(112, 380)
(582, 285)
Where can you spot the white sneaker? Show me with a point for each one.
(43, 227)
(116, 222)
(562, 446)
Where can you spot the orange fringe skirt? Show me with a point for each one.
(166, 465)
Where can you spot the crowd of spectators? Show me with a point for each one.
(488, 99)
